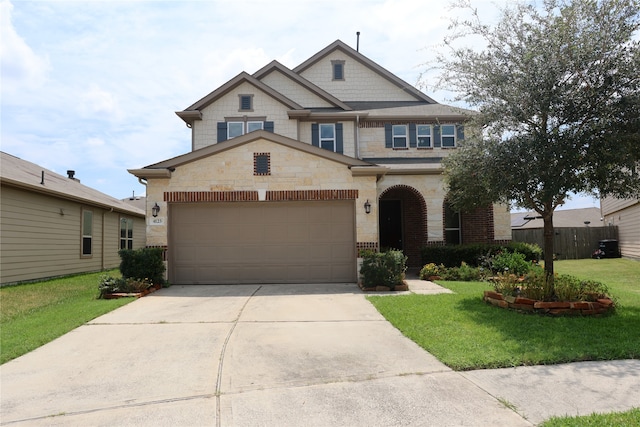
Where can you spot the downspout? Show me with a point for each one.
(357, 137)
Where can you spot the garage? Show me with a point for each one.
(262, 242)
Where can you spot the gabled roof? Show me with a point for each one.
(275, 66)
(29, 176)
(192, 112)
(339, 45)
(561, 218)
(163, 169)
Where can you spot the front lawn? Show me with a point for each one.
(35, 313)
(465, 333)
(615, 419)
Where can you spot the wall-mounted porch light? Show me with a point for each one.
(155, 210)
(367, 207)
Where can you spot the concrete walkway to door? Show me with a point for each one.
(248, 355)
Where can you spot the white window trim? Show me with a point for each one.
(128, 227)
(321, 139)
(419, 135)
(394, 136)
(229, 129)
(443, 136)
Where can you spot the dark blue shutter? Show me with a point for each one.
(388, 136)
(437, 140)
(339, 144)
(413, 138)
(460, 132)
(268, 126)
(222, 131)
(315, 135)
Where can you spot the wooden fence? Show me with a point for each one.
(569, 242)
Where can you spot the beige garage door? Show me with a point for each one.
(262, 242)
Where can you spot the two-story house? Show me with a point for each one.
(294, 171)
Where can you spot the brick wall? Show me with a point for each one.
(477, 226)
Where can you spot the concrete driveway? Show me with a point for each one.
(247, 355)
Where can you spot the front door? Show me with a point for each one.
(390, 224)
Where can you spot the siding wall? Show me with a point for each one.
(38, 241)
(625, 214)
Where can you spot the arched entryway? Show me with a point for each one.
(402, 222)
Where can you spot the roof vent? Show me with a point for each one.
(71, 174)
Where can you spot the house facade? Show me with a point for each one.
(293, 172)
(53, 225)
(625, 214)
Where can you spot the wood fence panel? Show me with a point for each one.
(569, 242)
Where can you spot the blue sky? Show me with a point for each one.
(93, 86)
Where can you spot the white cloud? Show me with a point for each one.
(97, 101)
(21, 66)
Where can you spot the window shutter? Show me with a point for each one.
(222, 131)
(460, 132)
(388, 136)
(339, 143)
(413, 137)
(315, 135)
(268, 126)
(437, 140)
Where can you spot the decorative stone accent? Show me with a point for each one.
(553, 308)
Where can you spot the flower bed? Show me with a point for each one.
(599, 307)
(397, 288)
(115, 295)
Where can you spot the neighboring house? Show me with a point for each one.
(625, 214)
(293, 172)
(53, 225)
(585, 217)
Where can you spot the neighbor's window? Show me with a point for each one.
(246, 102)
(399, 136)
(235, 129)
(424, 135)
(126, 233)
(87, 233)
(448, 133)
(452, 228)
(328, 136)
(251, 126)
(338, 70)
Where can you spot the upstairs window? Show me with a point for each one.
(246, 102)
(448, 134)
(338, 70)
(327, 136)
(234, 127)
(126, 233)
(424, 136)
(399, 136)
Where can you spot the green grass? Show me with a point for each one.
(615, 419)
(465, 333)
(36, 313)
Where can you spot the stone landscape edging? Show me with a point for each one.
(555, 308)
(116, 295)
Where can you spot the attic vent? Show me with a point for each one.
(246, 102)
(71, 174)
(338, 70)
(261, 164)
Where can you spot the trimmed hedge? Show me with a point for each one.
(144, 263)
(473, 254)
(383, 268)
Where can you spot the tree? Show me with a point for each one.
(557, 93)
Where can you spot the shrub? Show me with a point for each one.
(534, 285)
(468, 273)
(109, 285)
(510, 262)
(145, 263)
(474, 254)
(430, 270)
(383, 268)
(506, 284)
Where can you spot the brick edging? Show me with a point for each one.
(553, 308)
